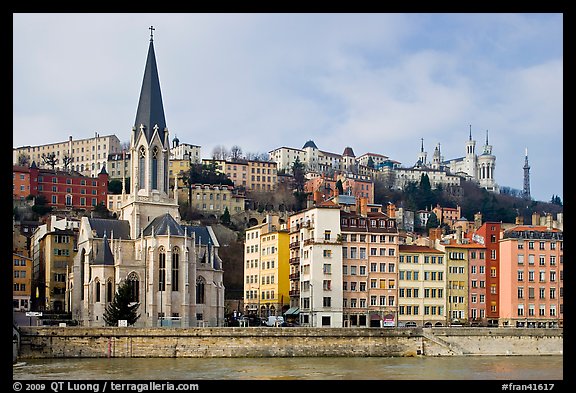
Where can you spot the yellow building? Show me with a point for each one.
(266, 269)
(421, 286)
(21, 282)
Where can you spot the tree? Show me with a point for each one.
(298, 173)
(225, 218)
(50, 159)
(432, 221)
(370, 163)
(115, 187)
(122, 307)
(340, 187)
(67, 160)
(235, 152)
(23, 160)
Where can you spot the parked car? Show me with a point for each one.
(275, 320)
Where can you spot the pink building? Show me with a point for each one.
(531, 277)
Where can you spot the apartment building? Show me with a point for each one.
(266, 269)
(21, 282)
(54, 246)
(316, 251)
(213, 199)
(62, 190)
(456, 282)
(87, 156)
(251, 174)
(531, 277)
(488, 234)
(421, 286)
(370, 244)
(477, 284)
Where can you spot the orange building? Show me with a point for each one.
(20, 182)
(532, 277)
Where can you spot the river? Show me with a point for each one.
(509, 368)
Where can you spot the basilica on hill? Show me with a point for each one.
(174, 271)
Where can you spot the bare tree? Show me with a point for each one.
(50, 159)
(236, 152)
(67, 160)
(220, 152)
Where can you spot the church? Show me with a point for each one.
(174, 271)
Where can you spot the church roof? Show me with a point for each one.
(202, 234)
(110, 227)
(162, 224)
(150, 108)
(102, 253)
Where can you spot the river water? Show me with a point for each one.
(525, 368)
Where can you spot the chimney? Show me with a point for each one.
(535, 219)
(459, 235)
(549, 221)
(434, 233)
(391, 210)
(317, 197)
(363, 206)
(477, 220)
(519, 220)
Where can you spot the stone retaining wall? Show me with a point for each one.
(69, 342)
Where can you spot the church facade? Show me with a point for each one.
(174, 271)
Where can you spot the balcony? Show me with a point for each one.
(294, 276)
(294, 261)
(294, 292)
(295, 244)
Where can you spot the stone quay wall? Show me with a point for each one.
(73, 342)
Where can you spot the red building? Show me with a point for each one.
(489, 236)
(62, 190)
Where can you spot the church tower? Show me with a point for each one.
(485, 168)
(470, 158)
(150, 195)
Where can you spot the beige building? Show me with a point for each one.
(54, 246)
(213, 199)
(266, 267)
(88, 156)
(316, 265)
(421, 287)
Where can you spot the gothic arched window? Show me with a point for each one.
(134, 284)
(200, 295)
(109, 291)
(175, 268)
(141, 167)
(162, 269)
(155, 168)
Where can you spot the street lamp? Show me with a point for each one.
(312, 304)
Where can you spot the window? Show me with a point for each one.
(175, 268)
(162, 270)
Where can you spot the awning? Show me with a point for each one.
(292, 311)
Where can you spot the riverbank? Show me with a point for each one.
(130, 342)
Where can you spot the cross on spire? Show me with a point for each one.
(151, 28)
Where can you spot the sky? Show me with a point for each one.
(377, 82)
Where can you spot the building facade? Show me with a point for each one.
(266, 269)
(532, 279)
(86, 156)
(62, 190)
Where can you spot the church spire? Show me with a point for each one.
(150, 111)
